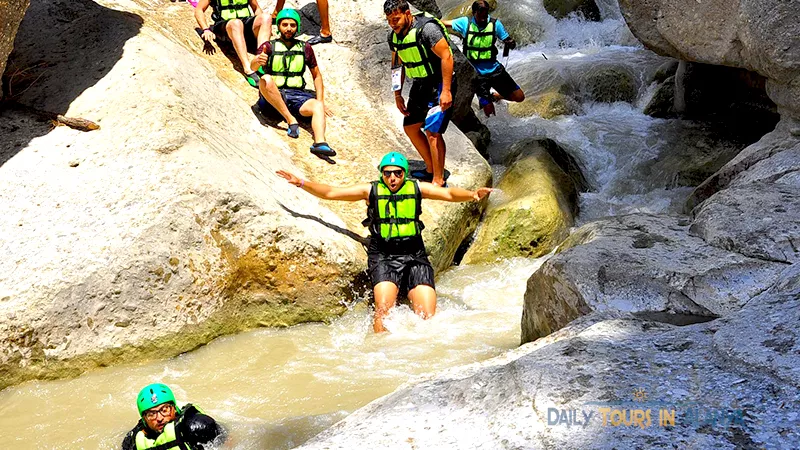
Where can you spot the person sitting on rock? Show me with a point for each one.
(419, 42)
(164, 426)
(480, 32)
(396, 254)
(282, 89)
(234, 22)
(324, 36)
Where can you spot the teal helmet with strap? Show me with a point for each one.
(288, 13)
(394, 159)
(153, 395)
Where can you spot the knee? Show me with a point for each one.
(262, 20)
(266, 82)
(234, 25)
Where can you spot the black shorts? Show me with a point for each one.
(500, 80)
(404, 263)
(249, 36)
(294, 99)
(424, 95)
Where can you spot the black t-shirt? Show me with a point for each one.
(192, 427)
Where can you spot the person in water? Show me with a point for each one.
(282, 90)
(480, 33)
(419, 42)
(396, 254)
(164, 426)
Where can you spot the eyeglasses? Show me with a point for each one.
(397, 173)
(164, 411)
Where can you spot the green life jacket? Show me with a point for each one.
(479, 44)
(394, 215)
(168, 439)
(287, 65)
(233, 9)
(417, 60)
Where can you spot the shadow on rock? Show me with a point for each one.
(62, 48)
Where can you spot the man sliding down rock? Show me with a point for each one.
(282, 89)
(234, 22)
(396, 254)
(480, 33)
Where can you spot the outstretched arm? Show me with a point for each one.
(452, 194)
(325, 192)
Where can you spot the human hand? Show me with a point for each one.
(481, 193)
(445, 100)
(511, 43)
(208, 36)
(328, 111)
(401, 104)
(262, 59)
(289, 177)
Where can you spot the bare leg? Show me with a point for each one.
(278, 7)
(235, 29)
(420, 142)
(316, 110)
(423, 299)
(325, 26)
(385, 298)
(438, 150)
(273, 96)
(262, 29)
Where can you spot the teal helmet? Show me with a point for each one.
(154, 395)
(394, 159)
(288, 13)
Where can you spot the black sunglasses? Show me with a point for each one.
(398, 173)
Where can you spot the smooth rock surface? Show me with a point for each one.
(647, 265)
(11, 14)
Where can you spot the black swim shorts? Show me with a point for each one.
(423, 96)
(404, 263)
(500, 80)
(294, 99)
(249, 36)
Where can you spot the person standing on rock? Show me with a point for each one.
(324, 36)
(234, 22)
(480, 33)
(282, 89)
(164, 426)
(419, 42)
(396, 254)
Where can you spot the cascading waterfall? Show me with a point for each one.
(275, 388)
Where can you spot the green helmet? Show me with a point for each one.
(154, 395)
(288, 13)
(394, 159)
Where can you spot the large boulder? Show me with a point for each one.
(647, 265)
(736, 33)
(612, 83)
(11, 13)
(547, 105)
(537, 208)
(168, 227)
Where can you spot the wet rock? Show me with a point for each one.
(538, 202)
(546, 105)
(562, 8)
(465, 9)
(662, 103)
(665, 71)
(607, 84)
(639, 264)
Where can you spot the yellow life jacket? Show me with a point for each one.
(233, 9)
(479, 44)
(417, 60)
(394, 215)
(287, 65)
